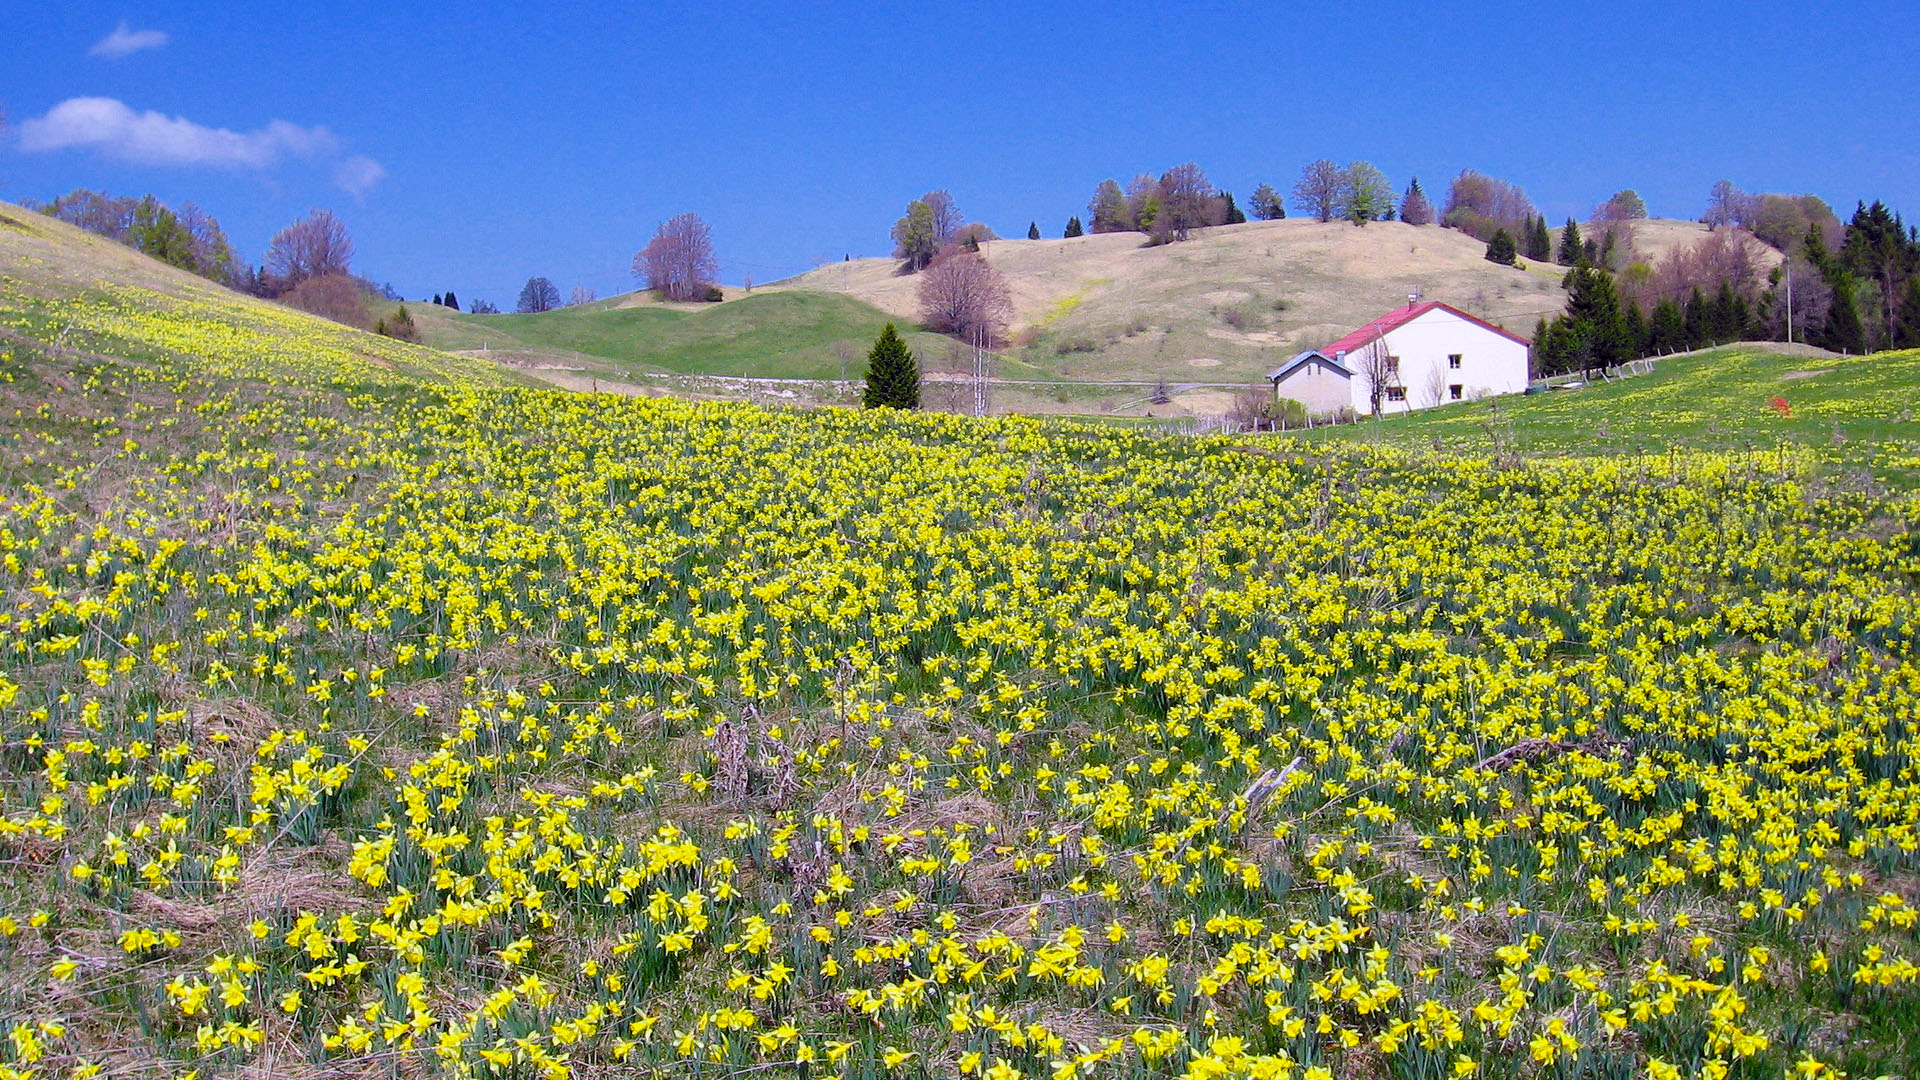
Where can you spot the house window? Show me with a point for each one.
(1393, 365)
(1396, 393)
(1453, 392)
(1453, 361)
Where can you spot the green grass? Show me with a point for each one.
(1858, 411)
(787, 335)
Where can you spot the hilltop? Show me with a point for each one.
(1202, 316)
(1225, 305)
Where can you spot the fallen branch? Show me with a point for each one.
(1262, 789)
(1530, 750)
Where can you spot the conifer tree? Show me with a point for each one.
(1636, 331)
(1074, 228)
(1570, 246)
(1906, 326)
(1545, 356)
(436, 298)
(1414, 207)
(1033, 230)
(1667, 330)
(893, 376)
(1844, 331)
(1539, 240)
(1267, 203)
(1697, 327)
(452, 302)
(1597, 331)
(1500, 248)
(1230, 213)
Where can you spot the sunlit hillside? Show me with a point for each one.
(362, 715)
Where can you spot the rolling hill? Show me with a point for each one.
(84, 296)
(1227, 304)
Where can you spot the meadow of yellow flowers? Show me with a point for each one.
(358, 717)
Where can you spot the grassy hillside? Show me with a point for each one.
(1228, 304)
(81, 294)
(1859, 412)
(788, 335)
(363, 718)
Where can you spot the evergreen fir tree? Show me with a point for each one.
(1414, 207)
(893, 376)
(1074, 228)
(1598, 331)
(1728, 321)
(436, 298)
(1542, 357)
(1698, 324)
(1570, 245)
(1539, 240)
(1231, 214)
(1500, 249)
(1033, 230)
(1844, 331)
(451, 301)
(1667, 330)
(1636, 331)
(1906, 325)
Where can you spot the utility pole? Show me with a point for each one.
(979, 375)
(1789, 302)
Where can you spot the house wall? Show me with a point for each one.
(1489, 363)
(1317, 386)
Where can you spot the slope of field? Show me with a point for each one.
(1858, 412)
(65, 287)
(791, 335)
(418, 726)
(1229, 303)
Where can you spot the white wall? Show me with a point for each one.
(1316, 386)
(1489, 363)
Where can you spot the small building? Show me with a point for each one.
(1420, 356)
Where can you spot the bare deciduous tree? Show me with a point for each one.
(1188, 201)
(1728, 205)
(330, 296)
(581, 295)
(1252, 409)
(315, 246)
(962, 295)
(1318, 190)
(537, 295)
(1435, 390)
(679, 260)
(1378, 368)
(947, 218)
(1143, 201)
(1480, 206)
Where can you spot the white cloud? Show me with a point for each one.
(125, 40)
(151, 138)
(112, 128)
(357, 175)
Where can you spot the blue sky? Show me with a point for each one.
(473, 148)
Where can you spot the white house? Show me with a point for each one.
(1422, 355)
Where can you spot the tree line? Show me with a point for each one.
(1850, 287)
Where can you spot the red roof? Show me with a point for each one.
(1399, 317)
